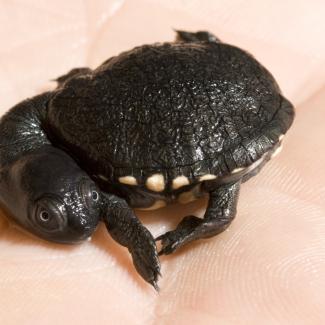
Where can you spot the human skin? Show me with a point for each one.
(269, 266)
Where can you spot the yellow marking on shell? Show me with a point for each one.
(157, 205)
(207, 177)
(156, 183)
(277, 151)
(186, 197)
(281, 137)
(180, 181)
(129, 180)
(237, 170)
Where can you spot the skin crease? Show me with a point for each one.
(269, 266)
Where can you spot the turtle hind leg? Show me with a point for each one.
(200, 36)
(220, 212)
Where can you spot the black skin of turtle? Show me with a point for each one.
(193, 107)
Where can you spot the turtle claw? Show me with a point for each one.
(146, 260)
(184, 233)
(170, 241)
(155, 285)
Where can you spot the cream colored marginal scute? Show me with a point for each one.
(237, 170)
(156, 183)
(277, 151)
(128, 180)
(207, 177)
(179, 182)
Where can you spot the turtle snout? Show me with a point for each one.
(83, 206)
(80, 228)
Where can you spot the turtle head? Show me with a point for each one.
(50, 196)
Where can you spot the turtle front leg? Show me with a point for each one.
(128, 231)
(71, 74)
(200, 36)
(220, 212)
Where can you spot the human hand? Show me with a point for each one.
(269, 266)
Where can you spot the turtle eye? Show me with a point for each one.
(49, 214)
(89, 192)
(94, 195)
(44, 216)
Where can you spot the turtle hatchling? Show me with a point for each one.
(161, 123)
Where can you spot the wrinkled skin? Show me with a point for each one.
(269, 266)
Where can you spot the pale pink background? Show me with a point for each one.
(269, 267)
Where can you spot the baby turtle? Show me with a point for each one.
(161, 123)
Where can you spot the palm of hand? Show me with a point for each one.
(269, 265)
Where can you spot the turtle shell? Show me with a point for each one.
(173, 108)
